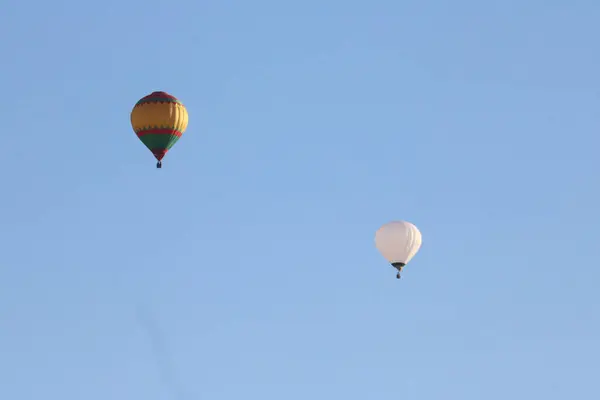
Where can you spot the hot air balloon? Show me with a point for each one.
(159, 120)
(398, 242)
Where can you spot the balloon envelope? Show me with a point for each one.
(398, 241)
(159, 120)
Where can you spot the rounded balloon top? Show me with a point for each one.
(158, 97)
(398, 241)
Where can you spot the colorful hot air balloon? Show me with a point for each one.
(398, 242)
(159, 120)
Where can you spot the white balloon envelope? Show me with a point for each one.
(398, 242)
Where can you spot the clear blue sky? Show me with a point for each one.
(311, 124)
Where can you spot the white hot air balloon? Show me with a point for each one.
(398, 242)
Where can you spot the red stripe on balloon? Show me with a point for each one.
(159, 132)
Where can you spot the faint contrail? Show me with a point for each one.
(161, 353)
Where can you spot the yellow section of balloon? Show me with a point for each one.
(159, 115)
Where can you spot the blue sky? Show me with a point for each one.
(311, 124)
